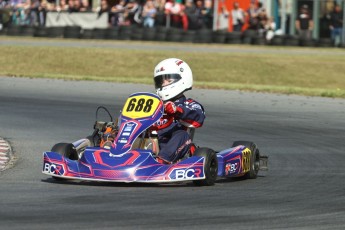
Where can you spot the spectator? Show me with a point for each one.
(208, 14)
(174, 10)
(252, 14)
(70, 6)
(118, 13)
(200, 12)
(20, 12)
(304, 23)
(237, 16)
(336, 25)
(190, 14)
(35, 4)
(63, 6)
(270, 28)
(223, 18)
(104, 8)
(42, 13)
(74, 6)
(3, 5)
(85, 6)
(159, 5)
(133, 11)
(148, 14)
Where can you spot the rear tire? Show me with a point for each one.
(210, 166)
(254, 158)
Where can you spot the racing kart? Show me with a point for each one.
(132, 156)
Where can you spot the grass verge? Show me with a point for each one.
(298, 71)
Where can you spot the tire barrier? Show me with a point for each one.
(149, 34)
(99, 33)
(72, 32)
(137, 34)
(161, 33)
(233, 38)
(174, 35)
(125, 32)
(112, 33)
(55, 32)
(188, 36)
(219, 37)
(40, 32)
(86, 34)
(203, 36)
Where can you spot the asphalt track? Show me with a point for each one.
(303, 136)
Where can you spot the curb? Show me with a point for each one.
(5, 154)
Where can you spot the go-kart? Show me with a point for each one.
(132, 155)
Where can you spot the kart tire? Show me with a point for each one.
(210, 166)
(254, 159)
(67, 150)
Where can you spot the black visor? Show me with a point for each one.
(166, 79)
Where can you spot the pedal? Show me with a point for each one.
(263, 163)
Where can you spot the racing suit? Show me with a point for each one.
(174, 140)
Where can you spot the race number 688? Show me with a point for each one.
(140, 105)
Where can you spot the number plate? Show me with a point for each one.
(140, 106)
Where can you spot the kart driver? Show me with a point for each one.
(172, 77)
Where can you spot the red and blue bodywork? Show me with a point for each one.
(122, 163)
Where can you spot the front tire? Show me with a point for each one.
(210, 166)
(254, 158)
(67, 150)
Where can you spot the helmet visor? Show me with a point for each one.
(166, 79)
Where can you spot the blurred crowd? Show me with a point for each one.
(254, 19)
(186, 14)
(177, 13)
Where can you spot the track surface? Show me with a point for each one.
(304, 138)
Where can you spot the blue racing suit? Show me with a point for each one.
(174, 141)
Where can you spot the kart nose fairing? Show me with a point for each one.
(99, 164)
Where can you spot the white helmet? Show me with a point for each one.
(172, 77)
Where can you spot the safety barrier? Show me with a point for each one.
(162, 34)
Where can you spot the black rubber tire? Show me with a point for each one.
(203, 36)
(55, 32)
(72, 32)
(219, 37)
(254, 159)
(149, 34)
(40, 31)
(67, 150)
(13, 31)
(99, 33)
(210, 167)
(27, 31)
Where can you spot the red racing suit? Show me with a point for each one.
(174, 140)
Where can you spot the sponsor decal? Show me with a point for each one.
(179, 62)
(182, 174)
(231, 168)
(246, 153)
(129, 127)
(53, 169)
(160, 70)
(123, 141)
(126, 134)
